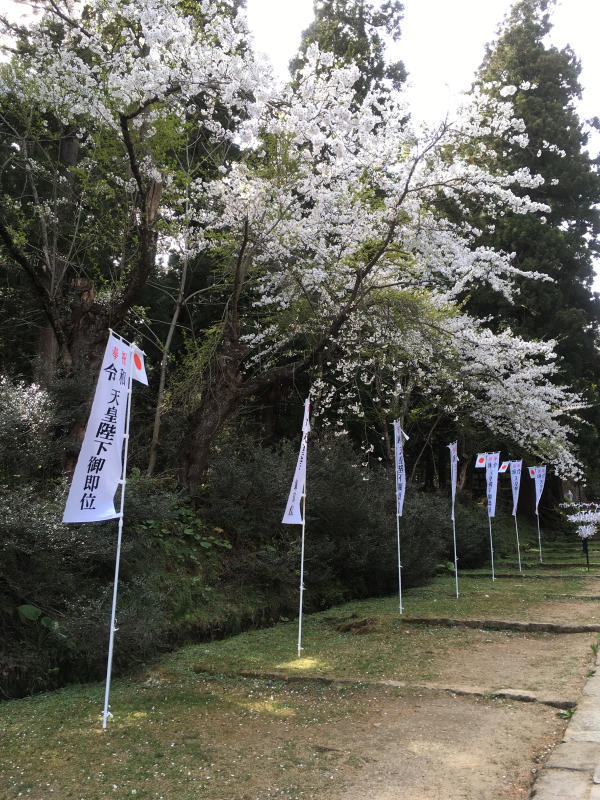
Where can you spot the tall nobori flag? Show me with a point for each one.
(399, 436)
(539, 475)
(492, 464)
(515, 481)
(293, 510)
(100, 466)
(453, 470)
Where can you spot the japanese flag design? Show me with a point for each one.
(138, 371)
(480, 460)
(504, 466)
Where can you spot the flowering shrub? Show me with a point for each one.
(25, 429)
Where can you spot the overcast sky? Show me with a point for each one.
(442, 43)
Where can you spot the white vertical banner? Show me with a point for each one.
(539, 476)
(102, 464)
(515, 481)
(492, 463)
(306, 419)
(295, 513)
(99, 466)
(399, 436)
(293, 509)
(453, 472)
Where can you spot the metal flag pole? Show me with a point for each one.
(455, 557)
(518, 547)
(302, 570)
(491, 547)
(113, 617)
(453, 465)
(539, 534)
(399, 563)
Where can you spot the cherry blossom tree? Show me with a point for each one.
(96, 100)
(334, 217)
(334, 227)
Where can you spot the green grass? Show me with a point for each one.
(180, 734)
(184, 739)
(389, 648)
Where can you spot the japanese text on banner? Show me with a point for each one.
(453, 470)
(539, 475)
(399, 435)
(515, 480)
(293, 510)
(492, 463)
(99, 467)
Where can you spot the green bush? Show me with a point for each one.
(351, 548)
(189, 574)
(472, 537)
(56, 589)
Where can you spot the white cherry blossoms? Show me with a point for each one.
(104, 60)
(350, 248)
(346, 229)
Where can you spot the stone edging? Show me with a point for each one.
(573, 769)
(518, 695)
(502, 625)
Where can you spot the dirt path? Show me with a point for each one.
(425, 743)
(456, 748)
(459, 748)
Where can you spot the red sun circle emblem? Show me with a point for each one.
(137, 361)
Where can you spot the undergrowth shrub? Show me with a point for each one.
(56, 588)
(189, 574)
(350, 549)
(472, 537)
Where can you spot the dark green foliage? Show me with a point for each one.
(66, 572)
(350, 546)
(565, 244)
(354, 31)
(472, 537)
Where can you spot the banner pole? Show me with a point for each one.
(491, 548)
(539, 535)
(399, 563)
(455, 557)
(301, 572)
(518, 546)
(113, 617)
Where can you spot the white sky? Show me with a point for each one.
(442, 43)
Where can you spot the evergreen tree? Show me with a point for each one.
(354, 31)
(543, 83)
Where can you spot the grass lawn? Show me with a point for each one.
(180, 734)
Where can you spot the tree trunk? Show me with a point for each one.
(163, 372)
(82, 357)
(47, 356)
(216, 407)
